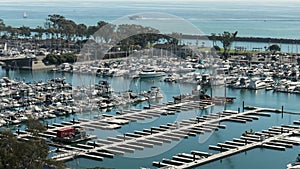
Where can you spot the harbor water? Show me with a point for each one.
(260, 98)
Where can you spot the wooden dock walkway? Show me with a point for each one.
(280, 141)
(155, 136)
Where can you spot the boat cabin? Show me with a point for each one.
(65, 132)
(71, 135)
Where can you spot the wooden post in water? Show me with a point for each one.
(281, 111)
(211, 93)
(225, 95)
(243, 106)
(239, 110)
(194, 157)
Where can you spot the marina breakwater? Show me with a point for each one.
(245, 39)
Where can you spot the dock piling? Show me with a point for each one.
(239, 110)
(243, 106)
(281, 111)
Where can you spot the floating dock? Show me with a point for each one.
(167, 133)
(278, 141)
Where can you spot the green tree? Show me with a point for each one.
(34, 126)
(226, 39)
(13, 32)
(175, 38)
(25, 31)
(55, 21)
(40, 31)
(81, 30)
(274, 48)
(15, 154)
(2, 26)
(106, 31)
(130, 35)
(50, 59)
(59, 59)
(91, 30)
(68, 29)
(216, 48)
(213, 38)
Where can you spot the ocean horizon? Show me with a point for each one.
(277, 19)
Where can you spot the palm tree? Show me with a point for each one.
(226, 39)
(25, 31)
(40, 31)
(2, 26)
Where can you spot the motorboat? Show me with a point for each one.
(269, 81)
(242, 83)
(71, 135)
(217, 80)
(153, 93)
(150, 73)
(256, 84)
(294, 165)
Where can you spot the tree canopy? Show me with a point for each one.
(226, 39)
(274, 48)
(52, 59)
(30, 154)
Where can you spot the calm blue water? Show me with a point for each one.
(200, 142)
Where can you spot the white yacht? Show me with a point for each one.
(257, 84)
(297, 90)
(153, 93)
(242, 83)
(269, 81)
(150, 73)
(294, 165)
(217, 80)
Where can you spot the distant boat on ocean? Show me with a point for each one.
(25, 15)
(135, 17)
